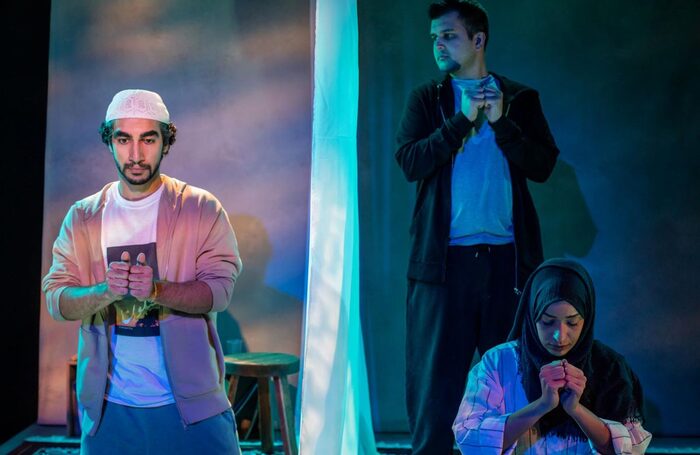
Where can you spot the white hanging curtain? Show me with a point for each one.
(336, 416)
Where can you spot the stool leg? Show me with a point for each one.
(265, 416)
(232, 388)
(72, 411)
(284, 405)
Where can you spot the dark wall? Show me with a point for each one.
(25, 27)
(617, 83)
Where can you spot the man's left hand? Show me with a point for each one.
(141, 279)
(493, 103)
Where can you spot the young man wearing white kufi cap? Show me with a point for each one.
(145, 264)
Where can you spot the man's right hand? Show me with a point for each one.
(118, 276)
(552, 378)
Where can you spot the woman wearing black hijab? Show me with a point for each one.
(552, 388)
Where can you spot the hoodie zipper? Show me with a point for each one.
(516, 285)
(447, 237)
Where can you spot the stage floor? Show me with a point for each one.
(52, 440)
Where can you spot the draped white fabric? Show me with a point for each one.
(335, 411)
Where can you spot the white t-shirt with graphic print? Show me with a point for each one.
(137, 374)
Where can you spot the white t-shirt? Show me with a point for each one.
(137, 374)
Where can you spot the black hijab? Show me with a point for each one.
(612, 389)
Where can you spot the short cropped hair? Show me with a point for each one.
(167, 130)
(471, 12)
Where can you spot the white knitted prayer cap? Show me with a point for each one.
(137, 103)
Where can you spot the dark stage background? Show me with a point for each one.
(25, 32)
(618, 84)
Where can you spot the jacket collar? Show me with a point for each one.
(172, 193)
(510, 88)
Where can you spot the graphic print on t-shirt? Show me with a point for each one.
(136, 318)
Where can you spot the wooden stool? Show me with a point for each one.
(265, 366)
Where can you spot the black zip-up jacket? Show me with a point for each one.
(428, 138)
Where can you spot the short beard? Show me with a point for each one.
(143, 180)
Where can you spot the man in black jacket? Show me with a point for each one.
(470, 142)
